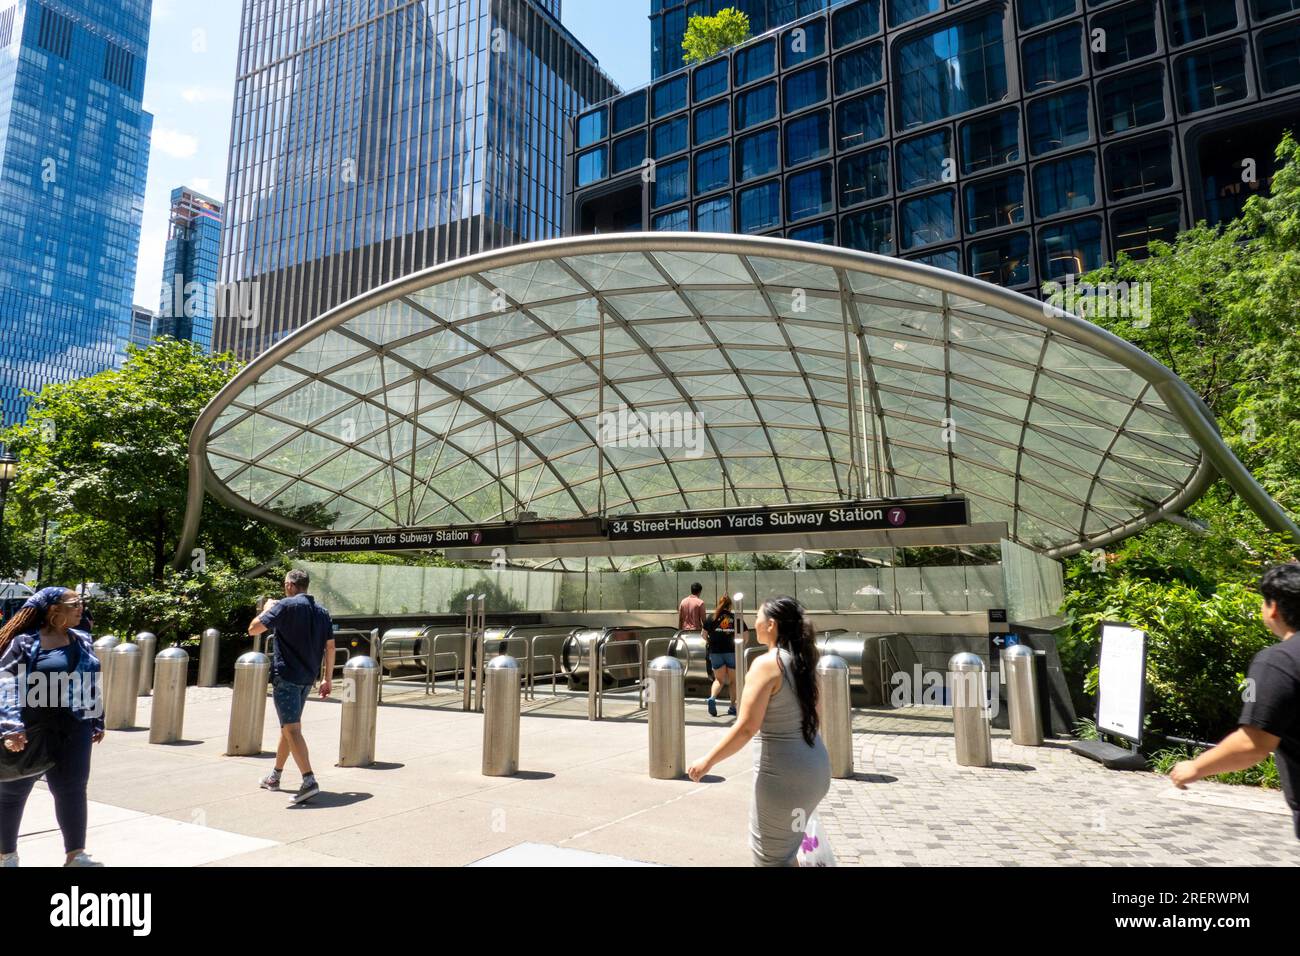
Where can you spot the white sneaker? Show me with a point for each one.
(8, 859)
(82, 859)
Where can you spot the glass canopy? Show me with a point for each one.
(788, 372)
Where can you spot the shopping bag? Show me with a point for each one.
(816, 848)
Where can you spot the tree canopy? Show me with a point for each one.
(706, 37)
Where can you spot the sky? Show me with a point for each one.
(189, 87)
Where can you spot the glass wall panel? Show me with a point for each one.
(905, 11)
(860, 120)
(1065, 184)
(805, 42)
(855, 21)
(823, 232)
(592, 127)
(1033, 13)
(1058, 121)
(996, 202)
(990, 141)
(925, 159)
(1134, 226)
(668, 97)
(1279, 58)
(710, 80)
(1004, 260)
(714, 215)
(629, 112)
(1130, 33)
(755, 62)
(858, 68)
(871, 230)
(1052, 57)
(678, 220)
(1143, 166)
(592, 165)
(757, 155)
(1131, 100)
(671, 183)
(1069, 248)
(809, 194)
(756, 106)
(760, 207)
(712, 122)
(955, 68)
(668, 138)
(808, 137)
(926, 219)
(864, 176)
(1210, 78)
(805, 88)
(712, 168)
(1192, 20)
(629, 152)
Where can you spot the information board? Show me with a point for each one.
(1121, 689)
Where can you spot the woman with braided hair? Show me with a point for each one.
(792, 770)
(49, 679)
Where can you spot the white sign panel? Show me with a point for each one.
(1122, 681)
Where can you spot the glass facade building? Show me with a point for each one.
(189, 298)
(74, 150)
(374, 138)
(1018, 141)
(142, 327)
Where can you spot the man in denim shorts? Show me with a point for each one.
(304, 644)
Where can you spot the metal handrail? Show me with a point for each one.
(531, 693)
(886, 655)
(668, 644)
(457, 670)
(639, 664)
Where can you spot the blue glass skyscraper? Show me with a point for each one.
(189, 297)
(74, 149)
(374, 138)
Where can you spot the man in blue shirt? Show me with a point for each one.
(304, 645)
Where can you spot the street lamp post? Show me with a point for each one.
(8, 471)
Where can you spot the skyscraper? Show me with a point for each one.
(142, 327)
(189, 297)
(373, 139)
(74, 150)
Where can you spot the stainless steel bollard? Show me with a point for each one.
(120, 695)
(148, 644)
(360, 712)
(837, 713)
(481, 660)
(738, 675)
(248, 706)
(104, 654)
(595, 679)
(501, 718)
(467, 654)
(171, 672)
(1019, 669)
(970, 711)
(209, 654)
(667, 680)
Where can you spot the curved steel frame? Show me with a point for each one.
(1181, 401)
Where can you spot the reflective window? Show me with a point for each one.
(858, 68)
(990, 141)
(712, 168)
(668, 97)
(855, 21)
(942, 259)
(1192, 20)
(926, 219)
(629, 152)
(678, 220)
(1052, 57)
(1070, 248)
(714, 215)
(808, 137)
(803, 43)
(1058, 122)
(860, 120)
(1263, 9)
(926, 159)
(823, 232)
(710, 80)
(629, 112)
(905, 11)
(871, 230)
(1210, 78)
(809, 193)
(864, 176)
(1065, 184)
(805, 88)
(994, 203)
(591, 127)
(756, 155)
(756, 106)
(1140, 166)
(668, 138)
(760, 207)
(1279, 58)
(1035, 13)
(1133, 227)
(755, 62)
(1004, 260)
(712, 122)
(1130, 32)
(1131, 100)
(671, 183)
(950, 70)
(591, 165)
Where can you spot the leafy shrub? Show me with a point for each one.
(1260, 775)
(181, 606)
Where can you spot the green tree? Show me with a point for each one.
(103, 473)
(706, 37)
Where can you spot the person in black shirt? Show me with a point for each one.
(304, 643)
(720, 628)
(1270, 719)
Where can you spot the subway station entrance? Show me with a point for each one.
(906, 450)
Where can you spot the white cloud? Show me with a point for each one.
(174, 143)
(204, 94)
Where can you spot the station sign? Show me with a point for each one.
(861, 516)
(887, 515)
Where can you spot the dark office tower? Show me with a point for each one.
(142, 327)
(374, 138)
(74, 151)
(1019, 141)
(668, 20)
(190, 298)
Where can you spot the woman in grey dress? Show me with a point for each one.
(792, 770)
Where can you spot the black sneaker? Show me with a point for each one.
(713, 707)
(306, 791)
(731, 711)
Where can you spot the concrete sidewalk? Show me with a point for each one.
(583, 797)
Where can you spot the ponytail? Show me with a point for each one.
(794, 633)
